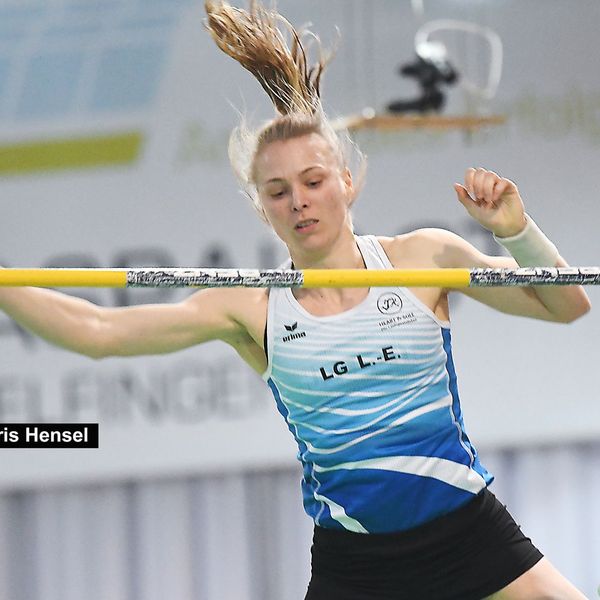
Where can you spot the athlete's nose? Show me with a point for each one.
(299, 200)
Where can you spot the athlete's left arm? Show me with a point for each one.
(557, 303)
(496, 204)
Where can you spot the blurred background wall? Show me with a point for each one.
(114, 117)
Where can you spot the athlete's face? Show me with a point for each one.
(305, 192)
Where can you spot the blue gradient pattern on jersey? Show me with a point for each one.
(371, 398)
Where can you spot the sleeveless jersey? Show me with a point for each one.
(370, 395)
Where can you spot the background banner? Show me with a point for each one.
(114, 118)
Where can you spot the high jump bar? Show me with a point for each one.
(154, 277)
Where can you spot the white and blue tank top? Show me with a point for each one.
(371, 398)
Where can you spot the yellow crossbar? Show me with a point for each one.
(339, 278)
(63, 277)
(310, 278)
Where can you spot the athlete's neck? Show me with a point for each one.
(343, 254)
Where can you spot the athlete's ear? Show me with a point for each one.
(256, 200)
(348, 184)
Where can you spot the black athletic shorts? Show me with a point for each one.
(467, 554)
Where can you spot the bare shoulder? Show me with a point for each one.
(426, 248)
(236, 304)
(238, 309)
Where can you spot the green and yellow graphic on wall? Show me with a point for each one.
(76, 153)
(80, 66)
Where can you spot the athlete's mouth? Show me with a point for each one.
(306, 223)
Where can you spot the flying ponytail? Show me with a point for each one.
(267, 45)
(257, 40)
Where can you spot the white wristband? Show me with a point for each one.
(531, 247)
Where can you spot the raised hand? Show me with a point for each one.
(493, 201)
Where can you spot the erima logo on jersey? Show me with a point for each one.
(293, 336)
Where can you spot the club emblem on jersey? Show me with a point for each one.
(389, 303)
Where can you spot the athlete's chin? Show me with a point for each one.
(314, 244)
(317, 239)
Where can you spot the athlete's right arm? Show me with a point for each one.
(98, 332)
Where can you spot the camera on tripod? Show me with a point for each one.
(431, 70)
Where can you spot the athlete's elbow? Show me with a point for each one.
(97, 343)
(576, 311)
(95, 352)
(584, 309)
(93, 348)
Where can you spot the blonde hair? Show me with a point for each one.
(268, 46)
